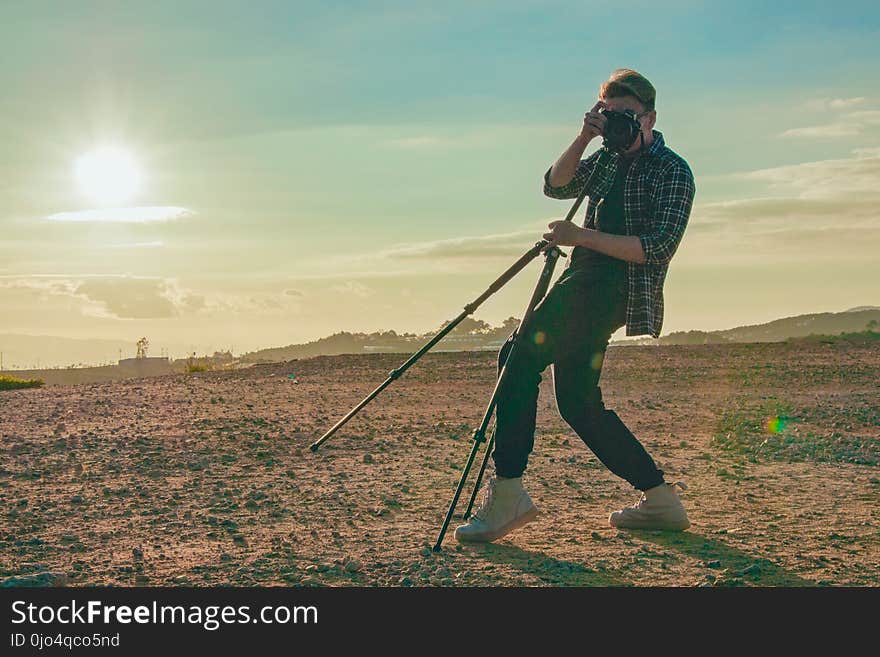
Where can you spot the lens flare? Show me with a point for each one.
(596, 360)
(776, 424)
(539, 337)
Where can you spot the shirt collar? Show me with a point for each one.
(657, 145)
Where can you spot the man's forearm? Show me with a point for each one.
(624, 247)
(564, 168)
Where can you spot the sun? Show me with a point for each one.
(108, 175)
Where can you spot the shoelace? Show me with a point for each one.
(643, 499)
(485, 500)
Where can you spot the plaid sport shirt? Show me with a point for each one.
(657, 198)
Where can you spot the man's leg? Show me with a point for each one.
(517, 402)
(576, 371)
(579, 399)
(505, 505)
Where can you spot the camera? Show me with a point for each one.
(621, 129)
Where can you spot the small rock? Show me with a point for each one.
(37, 579)
(77, 499)
(713, 564)
(353, 566)
(137, 553)
(368, 458)
(596, 536)
(754, 569)
(425, 552)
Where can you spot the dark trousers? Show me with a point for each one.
(570, 329)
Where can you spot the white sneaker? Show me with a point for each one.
(505, 506)
(658, 508)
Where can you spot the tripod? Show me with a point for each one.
(552, 255)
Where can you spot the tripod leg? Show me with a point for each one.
(496, 285)
(551, 256)
(461, 482)
(479, 480)
(489, 445)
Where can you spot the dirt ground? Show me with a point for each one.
(206, 479)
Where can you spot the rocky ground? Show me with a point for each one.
(206, 479)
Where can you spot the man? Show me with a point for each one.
(639, 205)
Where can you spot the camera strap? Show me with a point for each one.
(606, 165)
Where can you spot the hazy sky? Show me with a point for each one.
(310, 167)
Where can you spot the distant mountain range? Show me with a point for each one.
(482, 336)
(854, 319)
(29, 351)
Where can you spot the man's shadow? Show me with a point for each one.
(723, 563)
(548, 569)
(729, 564)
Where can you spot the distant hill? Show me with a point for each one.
(849, 321)
(46, 351)
(471, 334)
(475, 335)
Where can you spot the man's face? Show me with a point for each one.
(646, 120)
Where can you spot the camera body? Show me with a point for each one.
(621, 129)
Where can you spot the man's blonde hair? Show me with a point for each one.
(627, 82)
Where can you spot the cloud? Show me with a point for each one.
(829, 179)
(499, 244)
(756, 209)
(458, 255)
(115, 296)
(873, 151)
(848, 124)
(824, 131)
(353, 288)
(826, 210)
(416, 142)
(125, 298)
(843, 103)
(123, 215)
(820, 104)
(136, 245)
(866, 117)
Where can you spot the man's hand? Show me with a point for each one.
(564, 233)
(594, 123)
